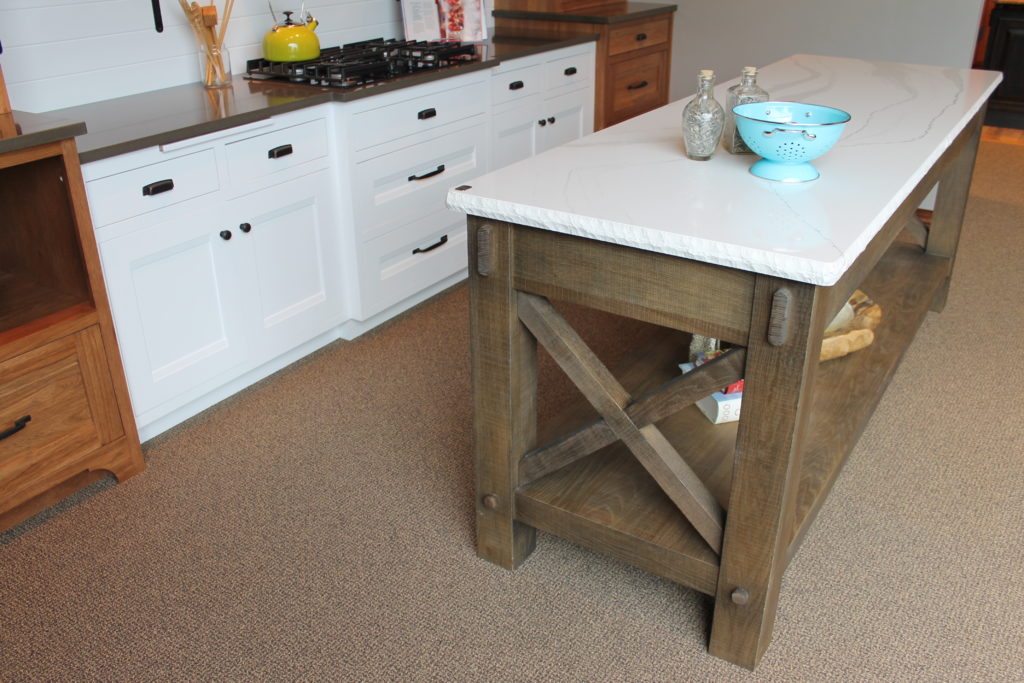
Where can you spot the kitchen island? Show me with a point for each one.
(622, 221)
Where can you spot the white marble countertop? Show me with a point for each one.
(632, 184)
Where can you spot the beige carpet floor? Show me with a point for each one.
(319, 526)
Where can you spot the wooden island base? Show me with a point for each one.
(719, 508)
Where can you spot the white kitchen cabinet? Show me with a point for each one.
(541, 101)
(178, 296)
(404, 151)
(227, 268)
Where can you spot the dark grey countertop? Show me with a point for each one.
(134, 122)
(21, 130)
(594, 15)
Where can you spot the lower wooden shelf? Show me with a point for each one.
(607, 502)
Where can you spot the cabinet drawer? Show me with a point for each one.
(516, 84)
(65, 389)
(636, 36)
(570, 73)
(263, 155)
(410, 259)
(148, 188)
(419, 114)
(396, 188)
(635, 86)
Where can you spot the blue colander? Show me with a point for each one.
(788, 135)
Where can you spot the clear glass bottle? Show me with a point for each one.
(747, 90)
(703, 119)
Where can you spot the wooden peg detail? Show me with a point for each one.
(483, 251)
(778, 320)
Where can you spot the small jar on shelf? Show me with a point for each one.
(703, 119)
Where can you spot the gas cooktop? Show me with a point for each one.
(366, 62)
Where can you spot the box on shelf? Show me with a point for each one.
(720, 406)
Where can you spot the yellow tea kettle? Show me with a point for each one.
(292, 41)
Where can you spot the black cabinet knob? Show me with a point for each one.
(641, 36)
(225, 234)
(516, 85)
(244, 227)
(542, 122)
(551, 119)
(571, 71)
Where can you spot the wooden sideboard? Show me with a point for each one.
(65, 417)
(634, 48)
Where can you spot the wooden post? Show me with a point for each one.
(504, 393)
(782, 357)
(950, 203)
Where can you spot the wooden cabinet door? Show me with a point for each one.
(178, 297)
(290, 234)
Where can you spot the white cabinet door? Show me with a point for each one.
(568, 117)
(177, 294)
(515, 133)
(290, 234)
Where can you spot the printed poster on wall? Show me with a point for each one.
(462, 20)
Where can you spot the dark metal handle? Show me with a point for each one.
(637, 86)
(427, 114)
(244, 227)
(278, 152)
(571, 71)
(516, 85)
(641, 36)
(435, 245)
(439, 169)
(542, 122)
(157, 187)
(158, 19)
(225, 234)
(19, 424)
(551, 119)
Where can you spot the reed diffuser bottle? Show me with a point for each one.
(744, 92)
(703, 119)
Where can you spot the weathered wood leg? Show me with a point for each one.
(950, 203)
(782, 357)
(504, 393)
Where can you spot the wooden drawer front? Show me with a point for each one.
(396, 188)
(419, 114)
(279, 150)
(516, 84)
(637, 36)
(570, 73)
(148, 188)
(410, 259)
(66, 389)
(636, 85)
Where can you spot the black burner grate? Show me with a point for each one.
(365, 62)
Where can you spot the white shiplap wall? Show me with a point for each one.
(62, 53)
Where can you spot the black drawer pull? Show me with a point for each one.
(516, 85)
(20, 423)
(245, 227)
(157, 187)
(641, 36)
(551, 119)
(435, 245)
(571, 71)
(430, 174)
(427, 114)
(542, 122)
(278, 152)
(637, 86)
(225, 235)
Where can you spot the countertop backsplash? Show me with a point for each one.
(60, 54)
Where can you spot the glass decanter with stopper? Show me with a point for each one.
(703, 119)
(747, 90)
